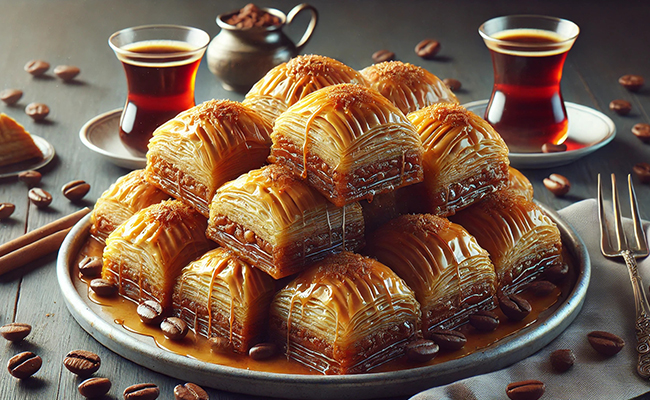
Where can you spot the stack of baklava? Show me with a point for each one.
(315, 214)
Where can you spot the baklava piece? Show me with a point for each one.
(144, 256)
(286, 84)
(128, 195)
(278, 223)
(347, 314)
(16, 144)
(451, 275)
(519, 184)
(221, 295)
(465, 159)
(194, 153)
(522, 241)
(349, 142)
(409, 87)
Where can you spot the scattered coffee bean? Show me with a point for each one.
(605, 343)
(11, 96)
(6, 209)
(24, 365)
(383, 55)
(39, 197)
(174, 328)
(190, 391)
(642, 171)
(553, 148)
(642, 131)
(220, 344)
(447, 339)
(102, 287)
(94, 387)
(562, 360)
(620, 107)
(142, 391)
(37, 111)
(37, 67)
(150, 312)
(16, 331)
(484, 321)
(525, 390)
(262, 351)
(90, 267)
(453, 84)
(631, 82)
(542, 288)
(427, 48)
(556, 273)
(514, 307)
(557, 184)
(75, 190)
(421, 350)
(82, 362)
(30, 178)
(66, 72)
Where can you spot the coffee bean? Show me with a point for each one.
(556, 273)
(11, 96)
(90, 267)
(642, 131)
(190, 391)
(620, 107)
(150, 312)
(174, 328)
(605, 343)
(421, 350)
(37, 67)
(102, 287)
(66, 72)
(557, 184)
(142, 391)
(75, 190)
(642, 171)
(6, 209)
(484, 321)
(562, 360)
(525, 390)
(453, 84)
(631, 82)
(16, 331)
(24, 365)
(220, 344)
(39, 197)
(427, 48)
(447, 339)
(94, 387)
(262, 351)
(37, 111)
(542, 288)
(383, 55)
(82, 362)
(514, 307)
(30, 178)
(553, 148)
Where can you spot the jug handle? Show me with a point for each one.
(312, 23)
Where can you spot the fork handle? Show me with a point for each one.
(642, 316)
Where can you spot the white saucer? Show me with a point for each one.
(48, 154)
(101, 135)
(589, 130)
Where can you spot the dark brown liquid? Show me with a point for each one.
(159, 89)
(526, 106)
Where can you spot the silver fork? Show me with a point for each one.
(629, 252)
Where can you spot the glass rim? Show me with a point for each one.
(487, 37)
(127, 53)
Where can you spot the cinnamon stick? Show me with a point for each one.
(32, 251)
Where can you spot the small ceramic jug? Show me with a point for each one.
(240, 57)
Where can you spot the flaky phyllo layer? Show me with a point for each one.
(409, 87)
(16, 144)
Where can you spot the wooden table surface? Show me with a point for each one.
(613, 41)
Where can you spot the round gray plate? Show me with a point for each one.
(142, 350)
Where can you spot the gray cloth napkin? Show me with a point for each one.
(609, 306)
